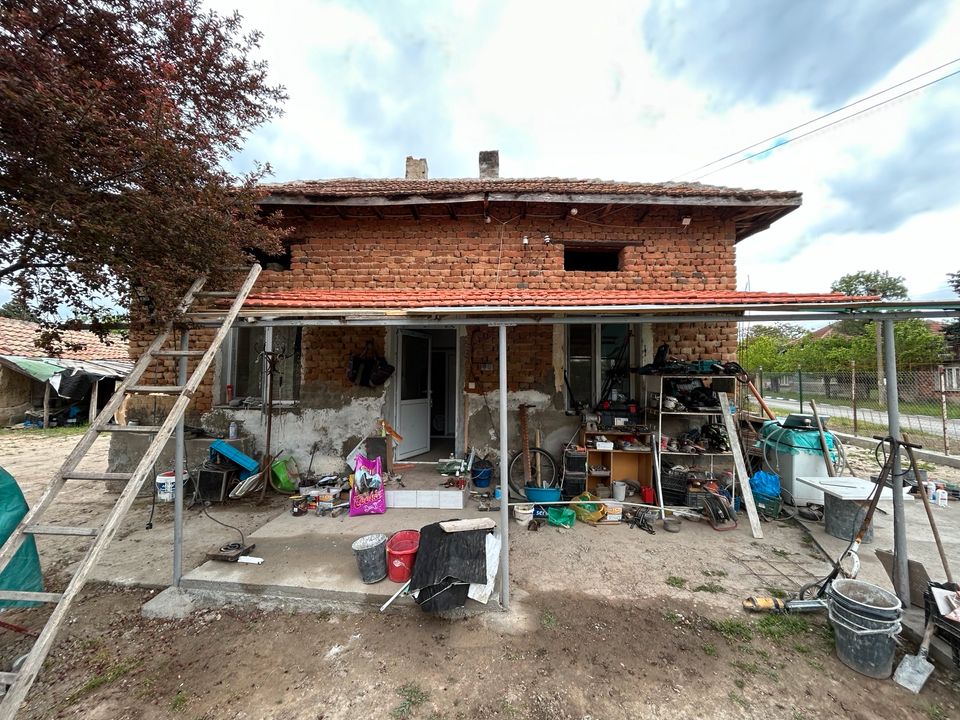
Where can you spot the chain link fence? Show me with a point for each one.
(854, 400)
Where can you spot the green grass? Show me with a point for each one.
(777, 593)
(110, 675)
(412, 697)
(801, 648)
(179, 701)
(64, 431)
(710, 650)
(677, 582)
(740, 683)
(739, 699)
(733, 629)
(710, 587)
(778, 627)
(714, 573)
(936, 712)
(548, 621)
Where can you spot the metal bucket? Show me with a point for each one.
(371, 553)
(866, 620)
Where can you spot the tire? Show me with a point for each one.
(548, 471)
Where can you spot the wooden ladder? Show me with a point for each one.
(19, 682)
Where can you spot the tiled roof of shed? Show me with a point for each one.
(444, 187)
(18, 337)
(395, 299)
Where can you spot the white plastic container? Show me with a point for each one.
(523, 514)
(166, 486)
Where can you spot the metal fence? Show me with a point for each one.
(855, 401)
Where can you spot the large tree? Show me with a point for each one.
(884, 285)
(117, 120)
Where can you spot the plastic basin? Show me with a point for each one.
(540, 495)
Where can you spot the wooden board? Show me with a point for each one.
(740, 466)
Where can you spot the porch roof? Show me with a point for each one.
(430, 300)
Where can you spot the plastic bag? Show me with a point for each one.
(591, 511)
(561, 516)
(286, 475)
(764, 483)
(367, 496)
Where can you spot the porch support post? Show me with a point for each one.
(46, 405)
(504, 476)
(901, 572)
(180, 458)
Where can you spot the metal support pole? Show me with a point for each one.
(901, 570)
(504, 477)
(760, 380)
(943, 408)
(853, 392)
(180, 458)
(800, 386)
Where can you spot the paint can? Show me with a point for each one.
(166, 484)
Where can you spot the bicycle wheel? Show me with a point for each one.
(543, 471)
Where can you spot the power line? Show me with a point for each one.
(823, 127)
(821, 117)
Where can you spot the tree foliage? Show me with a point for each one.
(871, 282)
(117, 120)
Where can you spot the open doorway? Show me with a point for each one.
(427, 393)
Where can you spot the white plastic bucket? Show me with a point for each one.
(619, 491)
(166, 486)
(523, 514)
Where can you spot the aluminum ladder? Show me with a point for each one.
(19, 682)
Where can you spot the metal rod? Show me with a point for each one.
(180, 459)
(800, 386)
(504, 477)
(853, 393)
(901, 570)
(943, 408)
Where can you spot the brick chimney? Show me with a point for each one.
(489, 163)
(416, 168)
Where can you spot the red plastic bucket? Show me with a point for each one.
(401, 554)
(646, 494)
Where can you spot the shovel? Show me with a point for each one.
(913, 670)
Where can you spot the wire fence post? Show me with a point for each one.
(760, 380)
(941, 371)
(853, 393)
(800, 386)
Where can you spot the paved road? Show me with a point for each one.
(908, 421)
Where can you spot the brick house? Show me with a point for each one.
(423, 271)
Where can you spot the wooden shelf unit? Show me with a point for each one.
(635, 465)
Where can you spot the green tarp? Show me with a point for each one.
(37, 369)
(23, 572)
(788, 441)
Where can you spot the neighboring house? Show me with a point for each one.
(423, 271)
(29, 377)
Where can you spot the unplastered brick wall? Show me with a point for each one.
(698, 341)
(437, 251)
(163, 371)
(529, 358)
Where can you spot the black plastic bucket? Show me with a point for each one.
(371, 554)
(865, 620)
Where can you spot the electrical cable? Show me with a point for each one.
(828, 125)
(817, 119)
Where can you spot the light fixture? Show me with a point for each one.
(573, 211)
(546, 239)
(486, 219)
(526, 240)
(685, 220)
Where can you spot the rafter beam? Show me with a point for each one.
(414, 212)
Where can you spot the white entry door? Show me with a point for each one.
(413, 411)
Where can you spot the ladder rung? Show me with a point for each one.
(157, 389)
(8, 678)
(130, 428)
(216, 294)
(60, 530)
(179, 353)
(24, 596)
(97, 476)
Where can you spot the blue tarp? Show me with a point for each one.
(23, 572)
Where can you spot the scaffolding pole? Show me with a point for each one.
(504, 477)
(901, 572)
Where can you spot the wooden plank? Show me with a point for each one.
(740, 466)
(94, 392)
(118, 476)
(31, 667)
(179, 353)
(8, 678)
(25, 596)
(156, 389)
(132, 428)
(60, 530)
(46, 405)
(451, 526)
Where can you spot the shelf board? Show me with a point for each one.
(718, 411)
(725, 454)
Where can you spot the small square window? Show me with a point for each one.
(591, 259)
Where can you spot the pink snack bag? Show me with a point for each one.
(367, 496)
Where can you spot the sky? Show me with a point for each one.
(645, 92)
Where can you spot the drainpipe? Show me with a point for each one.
(504, 476)
(901, 572)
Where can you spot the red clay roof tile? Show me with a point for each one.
(391, 299)
(18, 337)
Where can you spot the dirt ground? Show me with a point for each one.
(605, 623)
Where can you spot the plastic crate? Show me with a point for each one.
(946, 630)
(574, 484)
(574, 461)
